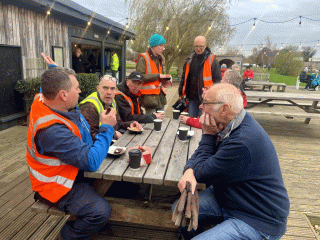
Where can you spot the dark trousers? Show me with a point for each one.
(91, 209)
(307, 81)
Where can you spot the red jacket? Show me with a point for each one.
(195, 122)
(248, 74)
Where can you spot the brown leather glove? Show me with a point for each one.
(186, 211)
(179, 209)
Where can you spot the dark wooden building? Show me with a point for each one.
(56, 27)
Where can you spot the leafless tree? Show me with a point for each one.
(179, 21)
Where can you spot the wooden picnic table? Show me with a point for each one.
(265, 86)
(300, 100)
(169, 156)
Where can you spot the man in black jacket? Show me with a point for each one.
(200, 70)
(305, 78)
(127, 99)
(79, 64)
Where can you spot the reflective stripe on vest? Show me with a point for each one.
(57, 179)
(129, 100)
(151, 68)
(206, 72)
(150, 87)
(148, 63)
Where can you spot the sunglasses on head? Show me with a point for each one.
(108, 77)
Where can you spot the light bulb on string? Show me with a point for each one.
(209, 28)
(300, 21)
(127, 25)
(89, 23)
(254, 24)
(167, 28)
(48, 12)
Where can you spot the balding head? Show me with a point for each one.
(200, 44)
(226, 93)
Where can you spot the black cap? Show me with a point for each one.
(135, 76)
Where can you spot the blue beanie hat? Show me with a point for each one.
(156, 40)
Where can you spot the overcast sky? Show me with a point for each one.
(282, 34)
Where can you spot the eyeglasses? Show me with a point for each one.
(199, 47)
(204, 102)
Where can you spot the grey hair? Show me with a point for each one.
(234, 66)
(54, 80)
(233, 77)
(225, 95)
(223, 66)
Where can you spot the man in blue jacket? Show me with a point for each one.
(57, 143)
(238, 162)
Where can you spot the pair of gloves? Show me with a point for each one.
(186, 211)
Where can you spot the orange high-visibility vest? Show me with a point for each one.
(207, 76)
(151, 87)
(129, 100)
(49, 176)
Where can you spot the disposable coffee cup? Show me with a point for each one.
(135, 158)
(176, 114)
(157, 124)
(185, 114)
(183, 133)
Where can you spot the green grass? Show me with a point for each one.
(173, 73)
(130, 65)
(288, 80)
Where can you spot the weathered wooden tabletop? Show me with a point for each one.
(169, 156)
(307, 96)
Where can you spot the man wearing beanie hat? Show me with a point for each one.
(201, 70)
(150, 65)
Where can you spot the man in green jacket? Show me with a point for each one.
(114, 65)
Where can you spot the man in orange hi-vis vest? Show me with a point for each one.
(201, 70)
(127, 99)
(60, 148)
(150, 65)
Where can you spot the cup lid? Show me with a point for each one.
(135, 151)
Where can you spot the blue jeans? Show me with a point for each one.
(229, 229)
(91, 209)
(194, 110)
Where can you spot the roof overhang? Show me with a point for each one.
(74, 14)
